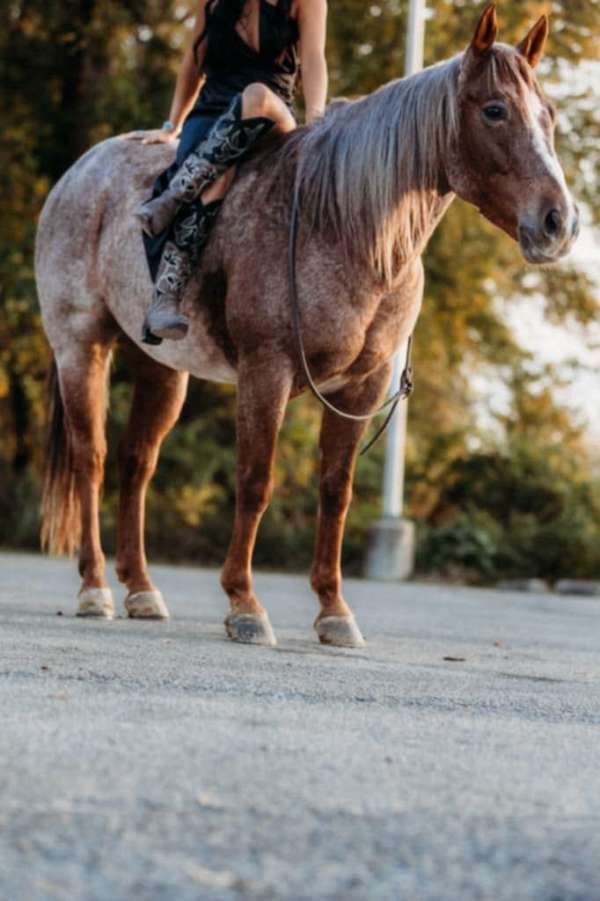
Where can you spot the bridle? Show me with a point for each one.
(406, 383)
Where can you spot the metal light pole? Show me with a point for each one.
(391, 541)
(415, 37)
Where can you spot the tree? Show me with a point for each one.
(78, 71)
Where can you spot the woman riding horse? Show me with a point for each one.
(250, 52)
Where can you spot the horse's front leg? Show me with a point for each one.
(339, 441)
(264, 387)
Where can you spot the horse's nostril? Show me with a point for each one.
(552, 223)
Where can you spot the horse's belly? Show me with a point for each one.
(196, 354)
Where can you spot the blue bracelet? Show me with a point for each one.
(168, 125)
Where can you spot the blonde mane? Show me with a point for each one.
(370, 169)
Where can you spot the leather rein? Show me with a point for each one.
(406, 383)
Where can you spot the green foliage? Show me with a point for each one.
(465, 548)
(515, 514)
(525, 502)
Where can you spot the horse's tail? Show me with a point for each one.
(61, 527)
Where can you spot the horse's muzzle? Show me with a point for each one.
(551, 237)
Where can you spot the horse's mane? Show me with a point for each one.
(369, 169)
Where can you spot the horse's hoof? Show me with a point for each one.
(341, 631)
(146, 605)
(250, 628)
(96, 602)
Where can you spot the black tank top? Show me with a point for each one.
(231, 64)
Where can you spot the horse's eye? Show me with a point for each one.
(495, 112)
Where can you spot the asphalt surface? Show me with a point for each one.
(159, 761)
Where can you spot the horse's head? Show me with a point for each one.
(504, 159)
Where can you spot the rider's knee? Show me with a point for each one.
(258, 100)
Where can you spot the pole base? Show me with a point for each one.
(391, 550)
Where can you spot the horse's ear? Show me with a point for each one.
(532, 45)
(486, 31)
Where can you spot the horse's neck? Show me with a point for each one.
(415, 150)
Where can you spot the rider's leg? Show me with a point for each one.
(187, 236)
(194, 221)
(250, 116)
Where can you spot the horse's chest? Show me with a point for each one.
(375, 341)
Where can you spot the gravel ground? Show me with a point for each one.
(158, 761)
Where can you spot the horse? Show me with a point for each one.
(372, 179)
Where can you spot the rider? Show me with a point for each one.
(249, 52)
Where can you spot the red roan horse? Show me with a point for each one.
(374, 178)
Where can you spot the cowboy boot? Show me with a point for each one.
(190, 234)
(228, 140)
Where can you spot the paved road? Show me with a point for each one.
(153, 761)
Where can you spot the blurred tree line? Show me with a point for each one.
(520, 497)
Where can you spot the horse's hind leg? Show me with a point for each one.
(263, 392)
(82, 375)
(158, 397)
(339, 440)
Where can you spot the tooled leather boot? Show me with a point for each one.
(228, 140)
(179, 256)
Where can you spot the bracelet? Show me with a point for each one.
(168, 126)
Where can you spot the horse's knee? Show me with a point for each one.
(255, 487)
(258, 100)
